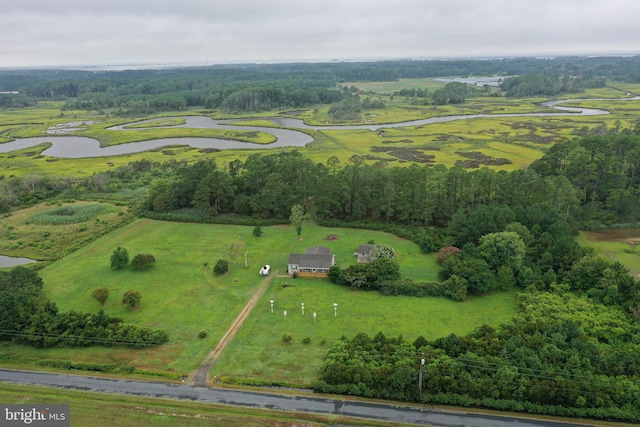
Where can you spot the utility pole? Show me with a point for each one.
(420, 379)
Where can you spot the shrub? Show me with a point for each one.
(203, 334)
(306, 340)
(381, 251)
(445, 253)
(221, 267)
(287, 338)
(257, 231)
(426, 244)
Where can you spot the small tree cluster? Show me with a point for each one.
(366, 276)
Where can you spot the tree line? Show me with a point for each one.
(257, 87)
(590, 182)
(28, 317)
(562, 354)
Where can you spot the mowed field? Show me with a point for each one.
(182, 297)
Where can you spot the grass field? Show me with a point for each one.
(617, 245)
(183, 298)
(258, 352)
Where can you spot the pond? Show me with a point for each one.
(8, 261)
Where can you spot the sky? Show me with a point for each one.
(73, 33)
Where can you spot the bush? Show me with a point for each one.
(445, 253)
(221, 267)
(426, 244)
(287, 338)
(203, 334)
(257, 231)
(381, 251)
(306, 340)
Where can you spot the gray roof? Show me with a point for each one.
(311, 260)
(365, 249)
(317, 250)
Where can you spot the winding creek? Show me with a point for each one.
(76, 147)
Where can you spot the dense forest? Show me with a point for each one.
(260, 87)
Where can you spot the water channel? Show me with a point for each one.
(76, 147)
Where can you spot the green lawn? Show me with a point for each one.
(183, 298)
(258, 352)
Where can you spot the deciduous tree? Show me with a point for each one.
(101, 295)
(119, 258)
(142, 261)
(131, 298)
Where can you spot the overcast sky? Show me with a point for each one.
(199, 32)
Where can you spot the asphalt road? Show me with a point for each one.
(388, 412)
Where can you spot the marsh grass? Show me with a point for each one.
(69, 214)
(43, 236)
(484, 135)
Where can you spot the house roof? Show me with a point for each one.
(317, 250)
(365, 249)
(308, 260)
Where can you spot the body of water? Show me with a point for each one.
(81, 147)
(8, 261)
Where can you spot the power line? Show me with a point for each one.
(63, 337)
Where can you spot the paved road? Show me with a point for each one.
(386, 412)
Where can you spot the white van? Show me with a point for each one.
(264, 271)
